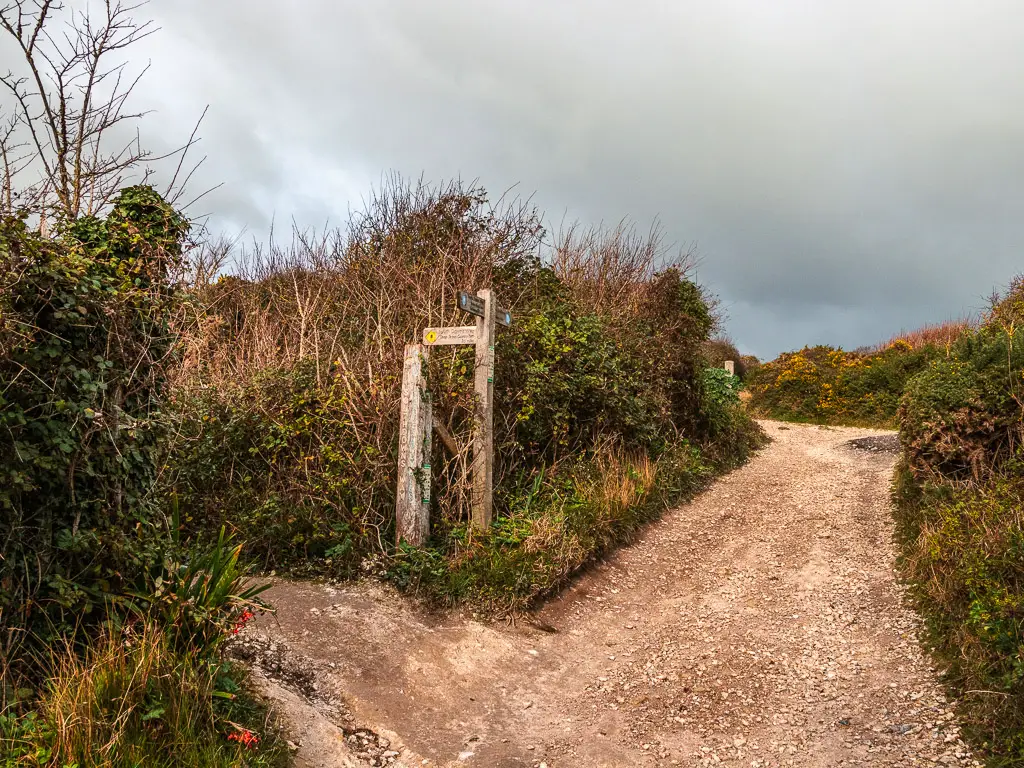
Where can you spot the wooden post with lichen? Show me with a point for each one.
(483, 413)
(414, 443)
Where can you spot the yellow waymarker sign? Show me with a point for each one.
(436, 337)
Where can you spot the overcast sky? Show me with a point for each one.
(847, 168)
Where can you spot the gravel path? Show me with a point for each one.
(760, 625)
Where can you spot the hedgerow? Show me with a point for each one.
(959, 493)
(85, 340)
(288, 399)
(826, 385)
(110, 625)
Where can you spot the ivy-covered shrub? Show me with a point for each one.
(567, 376)
(84, 345)
(721, 399)
(959, 496)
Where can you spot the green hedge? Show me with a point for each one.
(84, 341)
(959, 497)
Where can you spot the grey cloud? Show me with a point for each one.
(847, 168)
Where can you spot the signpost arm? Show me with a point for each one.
(412, 506)
(483, 422)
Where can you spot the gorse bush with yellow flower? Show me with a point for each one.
(827, 385)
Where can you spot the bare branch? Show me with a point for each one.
(70, 95)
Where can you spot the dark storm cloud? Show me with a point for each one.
(847, 168)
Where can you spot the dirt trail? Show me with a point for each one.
(760, 625)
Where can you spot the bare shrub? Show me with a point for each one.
(358, 296)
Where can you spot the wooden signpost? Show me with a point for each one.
(415, 424)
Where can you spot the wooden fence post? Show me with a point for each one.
(414, 442)
(483, 414)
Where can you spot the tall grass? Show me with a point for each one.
(132, 700)
(152, 687)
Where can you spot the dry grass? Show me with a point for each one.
(941, 335)
(623, 481)
(352, 298)
(130, 700)
(566, 520)
(90, 702)
(329, 317)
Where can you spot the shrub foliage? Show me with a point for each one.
(288, 400)
(110, 626)
(826, 385)
(959, 493)
(84, 341)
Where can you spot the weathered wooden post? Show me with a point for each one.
(483, 413)
(416, 421)
(485, 306)
(413, 503)
(730, 366)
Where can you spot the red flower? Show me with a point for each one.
(245, 737)
(242, 620)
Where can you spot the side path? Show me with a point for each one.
(760, 625)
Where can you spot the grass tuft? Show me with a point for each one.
(131, 700)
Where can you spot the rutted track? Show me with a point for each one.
(760, 625)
